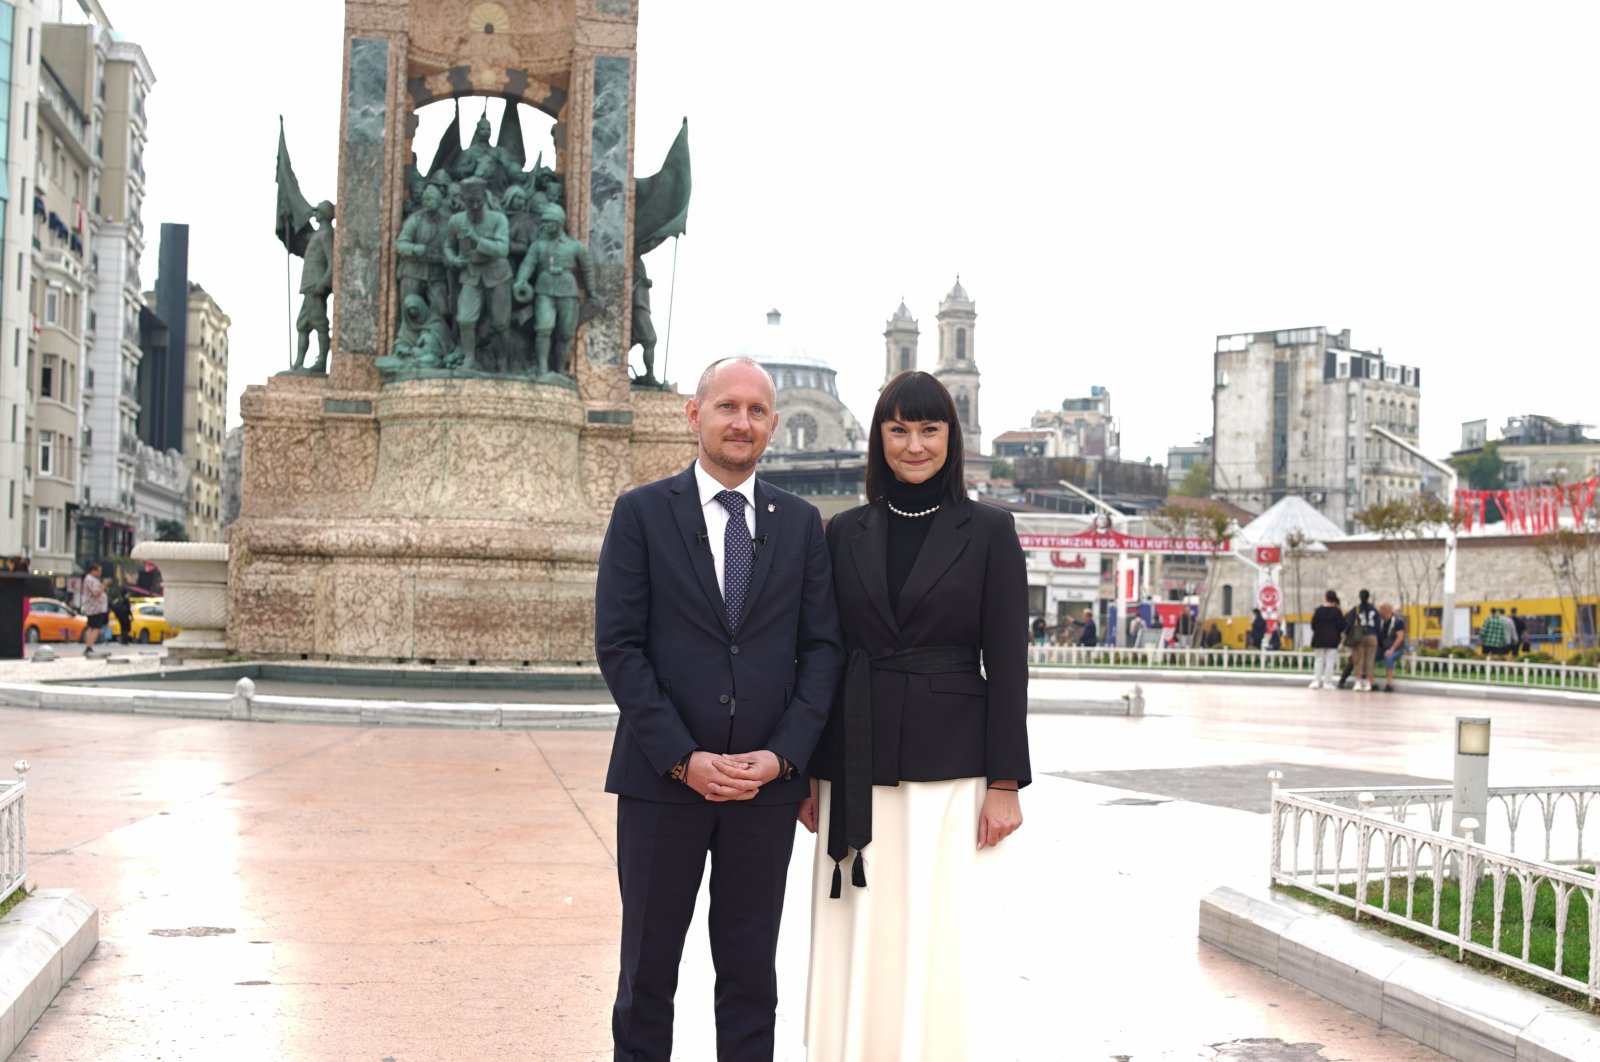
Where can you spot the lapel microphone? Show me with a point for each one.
(700, 537)
(756, 545)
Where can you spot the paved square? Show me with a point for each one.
(275, 891)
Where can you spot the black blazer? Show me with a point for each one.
(969, 587)
(1327, 627)
(681, 680)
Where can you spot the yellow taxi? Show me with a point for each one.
(149, 621)
(50, 620)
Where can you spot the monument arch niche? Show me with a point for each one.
(399, 510)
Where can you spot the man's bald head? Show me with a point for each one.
(710, 375)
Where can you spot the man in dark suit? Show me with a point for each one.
(716, 630)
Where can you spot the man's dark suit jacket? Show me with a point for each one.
(681, 679)
(968, 587)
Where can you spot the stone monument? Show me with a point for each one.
(408, 505)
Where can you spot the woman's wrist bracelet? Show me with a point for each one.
(1004, 788)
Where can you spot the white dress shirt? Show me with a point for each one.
(717, 516)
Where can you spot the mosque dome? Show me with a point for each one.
(811, 415)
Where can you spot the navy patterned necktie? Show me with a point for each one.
(738, 557)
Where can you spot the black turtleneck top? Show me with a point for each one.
(906, 533)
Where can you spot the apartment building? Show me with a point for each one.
(1293, 412)
(66, 181)
(19, 99)
(109, 521)
(205, 387)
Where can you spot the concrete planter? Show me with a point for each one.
(194, 576)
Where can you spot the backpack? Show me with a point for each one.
(1352, 629)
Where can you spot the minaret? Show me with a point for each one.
(958, 366)
(899, 343)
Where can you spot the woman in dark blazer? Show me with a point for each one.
(1327, 634)
(925, 750)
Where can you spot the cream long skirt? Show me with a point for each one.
(900, 968)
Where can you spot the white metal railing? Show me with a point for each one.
(13, 831)
(1381, 843)
(1514, 673)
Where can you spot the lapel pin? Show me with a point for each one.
(771, 508)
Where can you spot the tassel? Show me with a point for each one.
(858, 872)
(838, 880)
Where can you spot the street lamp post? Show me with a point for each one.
(1112, 515)
(1447, 618)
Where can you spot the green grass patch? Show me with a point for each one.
(1541, 932)
(11, 901)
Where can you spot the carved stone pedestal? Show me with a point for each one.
(446, 520)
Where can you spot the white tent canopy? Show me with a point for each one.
(1289, 515)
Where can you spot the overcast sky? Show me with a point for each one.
(1116, 182)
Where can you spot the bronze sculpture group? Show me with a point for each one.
(484, 250)
(490, 282)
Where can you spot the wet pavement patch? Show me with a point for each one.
(192, 931)
(1265, 1050)
(1241, 786)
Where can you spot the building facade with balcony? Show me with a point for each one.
(1293, 412)
(66, 180)
(205, 390)
(19, 101)
(111, 514)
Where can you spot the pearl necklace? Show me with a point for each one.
(910, 516)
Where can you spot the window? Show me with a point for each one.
(961, 344)
(905, 358)
(47, 453)
(52, 307)
(44, 537)
(1227, 600)
(47, 377)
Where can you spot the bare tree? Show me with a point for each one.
(1407, 526)
(1210, 523)
(1294, 546)
(1573, 558)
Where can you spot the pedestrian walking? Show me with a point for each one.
(1089, 635)
(1496, 634)
(1366, 648)
(1257, 638)
(1519, 644)
(93, 604)
(122, 608)
(1327, 631)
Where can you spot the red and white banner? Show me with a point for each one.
(1117, 542)
(1532, 511)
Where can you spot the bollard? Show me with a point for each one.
(1136, 700)
(244, 692)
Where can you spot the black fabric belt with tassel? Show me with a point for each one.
(850, 801)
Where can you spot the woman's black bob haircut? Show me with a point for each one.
(915, 396)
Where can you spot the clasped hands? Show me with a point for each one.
(736, 776)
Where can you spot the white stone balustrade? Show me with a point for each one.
(13, 831)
